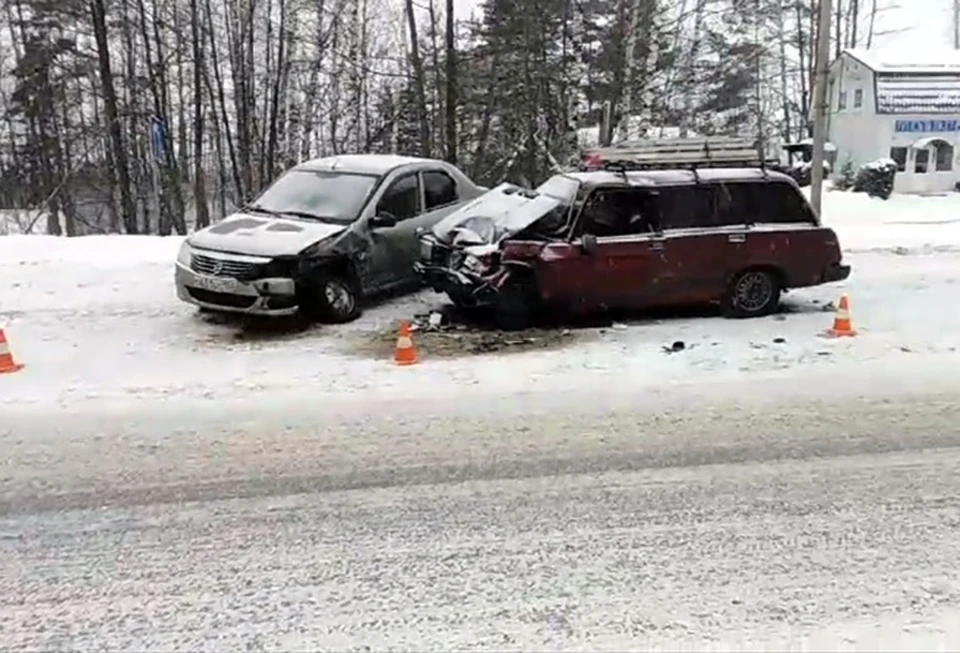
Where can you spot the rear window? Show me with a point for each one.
(780, 202)
(773, 202)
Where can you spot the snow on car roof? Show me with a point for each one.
(373, 164)
(908, 60)
(673, 177)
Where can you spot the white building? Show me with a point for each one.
(899, 105)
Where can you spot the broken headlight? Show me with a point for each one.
(475, 264)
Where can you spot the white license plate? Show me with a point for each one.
(213, 284)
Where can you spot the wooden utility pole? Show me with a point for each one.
(956, 24)
(820, 107)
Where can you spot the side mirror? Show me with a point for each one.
(588, 243)
(383, 221)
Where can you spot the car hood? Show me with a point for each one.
(260, 235)
(495, 215)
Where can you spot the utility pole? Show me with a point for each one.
(956, 24)
(820, 107)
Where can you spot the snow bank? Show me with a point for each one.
(901, 224)
(102, 252)
(97, 318)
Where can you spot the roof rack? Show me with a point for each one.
(713, 152)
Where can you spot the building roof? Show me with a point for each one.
(923, 94)
(915, 60)
(370, 164)
(914, 81)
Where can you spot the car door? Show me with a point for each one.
(705, 232)
(441, 196)
(624, 269)
(401, 200)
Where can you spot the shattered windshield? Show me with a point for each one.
(317, 195)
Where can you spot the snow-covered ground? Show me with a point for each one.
(96, 319)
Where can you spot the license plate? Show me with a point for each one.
(213, 284)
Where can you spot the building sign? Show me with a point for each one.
(927, 126)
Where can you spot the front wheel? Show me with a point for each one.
(752, 293)
(333, 299)
(517, 305)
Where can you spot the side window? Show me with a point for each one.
(737, 204)
(402, 198)
(899, 154)
(782, 203)
(944, 157)
(617, 213)
(858, 98)
(842, 102)
(686, 207)
(438, 189)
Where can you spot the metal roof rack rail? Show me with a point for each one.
(674, 153)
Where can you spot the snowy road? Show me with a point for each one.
(607, 523)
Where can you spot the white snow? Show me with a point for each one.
(96, 320)
(912, 60)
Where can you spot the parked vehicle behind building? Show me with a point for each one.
(588, 241)
(322, 237)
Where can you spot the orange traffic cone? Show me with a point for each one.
(842, 324)
(405, 353)
(7, 364)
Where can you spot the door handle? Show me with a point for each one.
(737, 238)
(656, 244)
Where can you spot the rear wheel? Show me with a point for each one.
(752, 293)
(332, 298)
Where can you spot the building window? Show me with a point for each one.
(842, 102)
(922, 159)
(858, 98)
(944, 157)
(899, 154)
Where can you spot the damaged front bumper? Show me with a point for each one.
(459, 285)
(274, 297)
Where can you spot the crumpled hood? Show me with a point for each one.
(495, 215)
(260, 235)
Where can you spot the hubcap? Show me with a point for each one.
(754, 291)
(339, 297)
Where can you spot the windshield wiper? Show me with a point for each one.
(279, 214)
(307, 216)
(253, 208)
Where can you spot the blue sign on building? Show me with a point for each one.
(927, 126)
(158, 139)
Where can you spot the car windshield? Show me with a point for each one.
(317, 195)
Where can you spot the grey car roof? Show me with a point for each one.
(677, 177)
(371, 164)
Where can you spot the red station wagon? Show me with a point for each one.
(588, 241)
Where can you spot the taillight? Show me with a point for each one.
(592, 160)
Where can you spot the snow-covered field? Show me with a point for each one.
(96, 319)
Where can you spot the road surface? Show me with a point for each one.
(536, 523)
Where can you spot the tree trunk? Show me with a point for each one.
(451, 100)
(199, 178)
(117, 160)
(419, 82)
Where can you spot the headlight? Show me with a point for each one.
(473, 264)
(183, 256)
